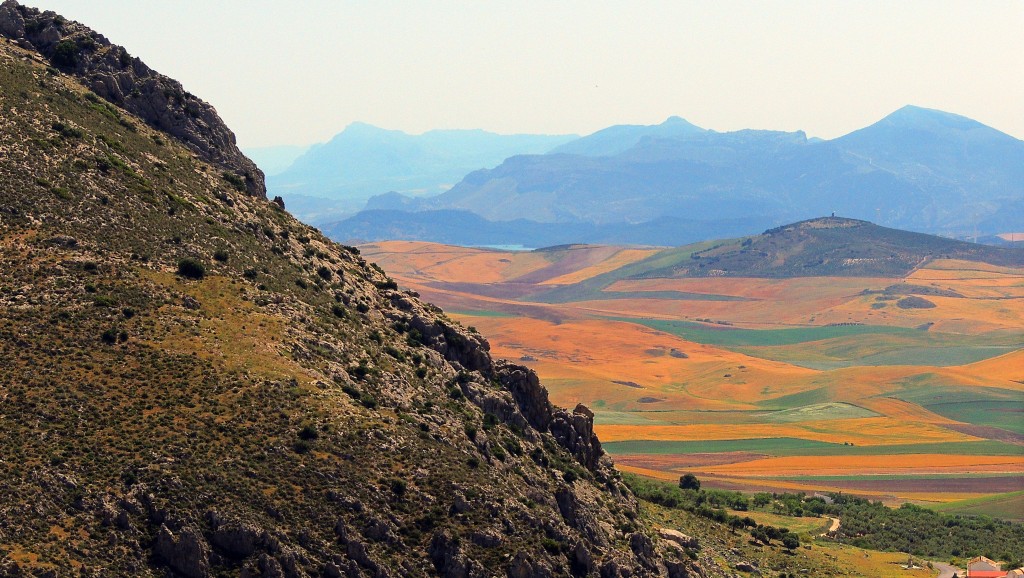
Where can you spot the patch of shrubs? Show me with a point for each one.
(308, 433)
(191, 268)
(103, 301)
(65, 55)
(109, 336)
(112, 336)
(914, 302)
(234, 180)
(66, 131)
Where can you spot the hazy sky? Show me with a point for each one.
(297, 72)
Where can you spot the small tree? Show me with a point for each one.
(65, 55)
(791, 541)
(735, 524)
(191, 269)
(689, 482)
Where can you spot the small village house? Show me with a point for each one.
(982, 567)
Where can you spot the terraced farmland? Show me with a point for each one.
(762, 382)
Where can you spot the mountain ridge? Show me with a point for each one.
(364, 160)
(831, 246)
(916, 169)
(619, 138)
(195, 384)
(126, 82)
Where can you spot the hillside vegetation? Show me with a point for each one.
(195, 384)
(825, 247)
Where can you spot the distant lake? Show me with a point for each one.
(505, 247)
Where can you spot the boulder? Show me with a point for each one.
(186, 553)
(678, 537)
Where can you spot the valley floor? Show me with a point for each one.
(800, 384)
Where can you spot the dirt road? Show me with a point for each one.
(833, 527)
(947, 571)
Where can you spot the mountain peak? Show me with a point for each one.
(364, 129)
(678, 122)
(622, 137)
(911, 116)
(121, 80)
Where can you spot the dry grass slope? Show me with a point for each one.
(195, 384)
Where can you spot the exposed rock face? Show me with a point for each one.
(746, 567)
(289, 414)
(678, 537)
(187, 552)
(113, 74)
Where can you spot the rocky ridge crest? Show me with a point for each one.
(196, 384)
(125, 81)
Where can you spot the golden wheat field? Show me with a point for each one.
(805, 384)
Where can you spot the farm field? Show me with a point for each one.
(903, 387)
(1009, 505)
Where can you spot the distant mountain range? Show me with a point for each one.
(338, 177)
(917, 169)
(461, 227)
(275, 159)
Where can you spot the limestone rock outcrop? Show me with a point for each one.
(126, 82)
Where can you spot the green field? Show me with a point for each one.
(1009, 506)
(1000, 408)
(676, 417)
(799, 447)
(820, 412)
(1006, 415)
(736, 337)
(836, 346)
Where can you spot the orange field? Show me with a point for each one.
(872, 465)
(925, 380)
(871, 431)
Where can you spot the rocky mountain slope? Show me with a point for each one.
(111, 73)
(194, 384)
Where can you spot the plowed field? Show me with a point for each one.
(811, 383)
